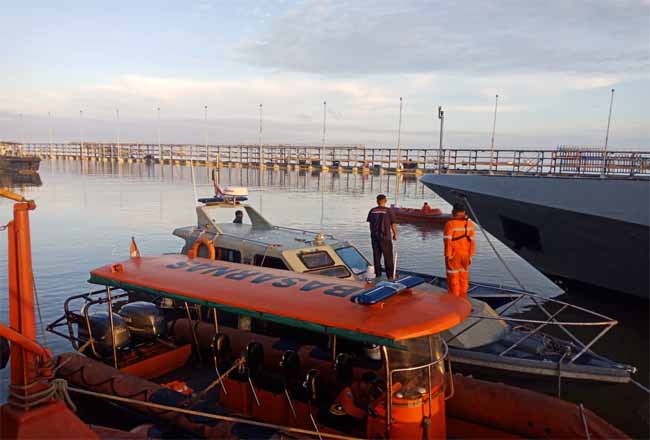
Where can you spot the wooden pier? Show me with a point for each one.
(565, 160)
(351, 159)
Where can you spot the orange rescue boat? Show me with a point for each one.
(432, 216)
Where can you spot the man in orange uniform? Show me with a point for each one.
(351, 407)
(459, 250)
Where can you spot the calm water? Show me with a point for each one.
(87, 212)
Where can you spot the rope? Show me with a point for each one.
(540, 306)
(40, 316)
(487, 238)
(584, 422)
(266, 250)
(57, 389)
(209, 415)
(643, 387)
(216, 382)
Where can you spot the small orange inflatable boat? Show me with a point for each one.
(415, 215)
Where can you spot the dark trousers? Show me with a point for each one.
(381, 246)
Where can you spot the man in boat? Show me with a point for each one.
(352, 405)
(383, 230)
(239, 217)
(458, 236)
(426, 209)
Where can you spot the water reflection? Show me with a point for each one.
(87, 212)
(19, 181)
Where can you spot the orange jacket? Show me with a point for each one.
(459, 237)
(347, 400)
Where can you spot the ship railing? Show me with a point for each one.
(564, 161)
(554, 311)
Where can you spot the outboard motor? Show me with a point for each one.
(100, 326)
(5, 350)
(144, 320)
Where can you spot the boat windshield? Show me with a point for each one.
(419, 369)
(353, 259)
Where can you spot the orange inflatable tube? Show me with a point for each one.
(522, 412)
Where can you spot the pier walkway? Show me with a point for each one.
(565, 160)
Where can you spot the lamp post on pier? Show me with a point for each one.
(609, 120)
(399, 137)
(117, 117)
(494, 126)
(50, 129)
(441, 116)
(160, 153)
(22, 133)
(205, 133)
(324, 124)
(81, 134)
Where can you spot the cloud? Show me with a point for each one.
(481, 37)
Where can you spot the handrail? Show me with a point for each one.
(560, 162)
(7, 194)
(26, 343)
(551, 320)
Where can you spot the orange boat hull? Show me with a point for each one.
(413, 215)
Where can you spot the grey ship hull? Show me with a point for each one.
(595, 231)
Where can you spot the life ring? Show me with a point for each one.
(203, 241)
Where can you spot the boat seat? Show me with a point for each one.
(290, 366)
(221, 349)
(344, 369)
(310, 388)
(253, 358)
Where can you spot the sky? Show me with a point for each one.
(552, 63)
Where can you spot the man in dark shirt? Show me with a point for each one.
(239, 217)
(383, 230)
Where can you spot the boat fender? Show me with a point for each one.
(4, 352)
(203, 241)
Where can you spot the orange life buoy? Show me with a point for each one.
(203, 241)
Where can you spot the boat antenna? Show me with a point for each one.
(321, 175)
(609, 119)
(441, 116)
(494, 126)
(196, 196)
(399, 141)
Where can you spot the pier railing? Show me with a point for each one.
(561, 161)
(565, 160)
